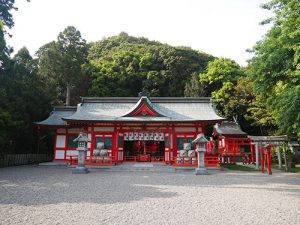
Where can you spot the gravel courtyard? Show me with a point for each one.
(37, 195)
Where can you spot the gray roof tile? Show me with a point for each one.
(229, 128)
(55, 118)
(172, 109)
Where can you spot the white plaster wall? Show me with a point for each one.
(59, 154)
(60, 141)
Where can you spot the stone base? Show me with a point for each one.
(201, 171)
(80, 170)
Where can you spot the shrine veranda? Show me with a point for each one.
(131, 129)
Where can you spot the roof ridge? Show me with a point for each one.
(64, 108)
(152, 99)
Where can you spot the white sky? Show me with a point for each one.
(223, 28)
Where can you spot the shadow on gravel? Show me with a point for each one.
(28, 185)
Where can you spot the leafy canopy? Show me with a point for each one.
(275, 66)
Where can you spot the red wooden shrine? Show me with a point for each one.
(233, 143)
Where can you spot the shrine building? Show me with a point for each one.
(131, 128)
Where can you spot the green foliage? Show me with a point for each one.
(123, 65)
(23, 100)
(286, 110)
(60, 63)
(238, 167)
(221, 78)
(275, 66)
(193, 88)
(6, 17)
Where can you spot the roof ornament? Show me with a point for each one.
(235, 119)
(144, 94)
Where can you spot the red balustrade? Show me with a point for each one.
(92, 161)
(186, 161)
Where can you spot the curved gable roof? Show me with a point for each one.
(143, 107)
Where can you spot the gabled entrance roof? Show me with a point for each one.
(143, 107)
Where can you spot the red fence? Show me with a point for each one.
(185, 161)
(93, 161)
(144, 158)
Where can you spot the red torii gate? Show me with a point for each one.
(263, 150)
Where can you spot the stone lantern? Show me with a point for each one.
(82, 140)
(200, 142)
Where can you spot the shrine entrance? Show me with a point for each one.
(144, 151)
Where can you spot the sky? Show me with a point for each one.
(223, 28)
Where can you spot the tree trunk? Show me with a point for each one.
(68, 95)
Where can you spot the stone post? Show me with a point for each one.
(82, 140)
(279, 157)
(200, 142)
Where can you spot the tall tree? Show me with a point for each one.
(61, 62)
(193, 87)
(275, 66)
(24, 100)
(6, 21)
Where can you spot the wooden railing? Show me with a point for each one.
(130, 158)
(138, 159)
(186, 161)
(212, 161)
(93, 161)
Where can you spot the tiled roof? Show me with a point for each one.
(55, 118)
(112, 109)
(229, 128)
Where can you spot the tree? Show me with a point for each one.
(275, 65)
(124, 65)
(193, 87)
(6, 20)
(221, 78)
(24, 100)
(61, 62)
(6, 17)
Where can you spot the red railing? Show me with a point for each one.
(186, 161)
(92, 160)
(144, 158)
(130, 158)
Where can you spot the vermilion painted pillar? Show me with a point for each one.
(262, 164)
(269, 159)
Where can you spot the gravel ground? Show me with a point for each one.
(36, 195)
